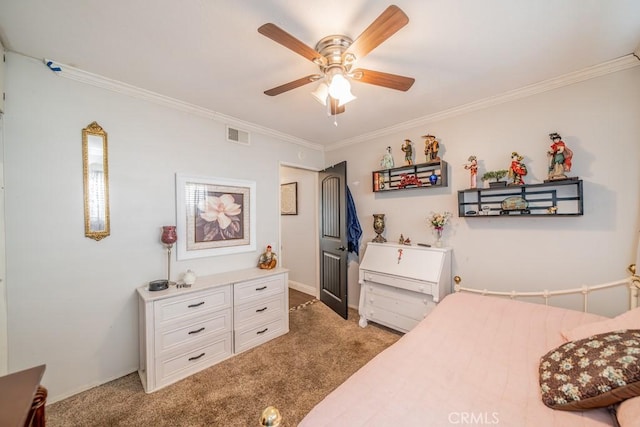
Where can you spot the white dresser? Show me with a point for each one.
(400, 285)
(184, 330)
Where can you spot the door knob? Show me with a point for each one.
(341, 248)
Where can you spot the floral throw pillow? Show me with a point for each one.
(592, 372)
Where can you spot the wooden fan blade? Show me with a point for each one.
(392, 81)
(292, 85)
(335, 108)
(385, 25)
(279, 35)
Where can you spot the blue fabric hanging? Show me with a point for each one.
(354, 231)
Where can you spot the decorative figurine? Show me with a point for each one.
(472, 167)
(431, 148)
(401, 239)
(267, 260)
(406, 180)
(189, 278)
(517, 169)
(408, 151)
(378, 227)
(433, 178)
(387, 160)
(559, 158)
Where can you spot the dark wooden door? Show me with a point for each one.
(333, 238)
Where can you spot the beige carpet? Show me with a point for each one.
(292, 373)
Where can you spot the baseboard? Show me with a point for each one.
(307, 289)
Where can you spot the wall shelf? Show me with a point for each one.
(410, 176)
(553, 198)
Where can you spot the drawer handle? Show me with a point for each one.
(196, 332)
(196, 305)
(261, 288)
(262, 331)
(196, 357)
(260, 310)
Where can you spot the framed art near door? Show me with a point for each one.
(289, 199)
(216, 216)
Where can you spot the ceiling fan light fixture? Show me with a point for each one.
(321, 93)
(346, 98)
(339, 87)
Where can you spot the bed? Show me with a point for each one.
(473, 361)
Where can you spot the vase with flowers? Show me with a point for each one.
(438, 220)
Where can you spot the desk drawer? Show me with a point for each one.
(391, 319)
(187, 333)
(251, 337)
(407, 303)
(256, 313)
(258, 289)
(403, 283)
(192, 304)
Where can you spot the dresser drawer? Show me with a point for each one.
(192, 305)
(192, 331)
(255, 313)
(258, 289)
(251, 337)
(409, 304)
(173, 367)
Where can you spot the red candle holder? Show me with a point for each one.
(169, 237)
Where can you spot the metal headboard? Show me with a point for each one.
(632, 283)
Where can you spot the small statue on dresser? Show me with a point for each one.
(408, 151)
(268, 259)
(560, 158)
(431, 148)
(517, 169)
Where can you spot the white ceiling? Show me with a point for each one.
(210, 54)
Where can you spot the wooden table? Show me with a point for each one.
(22, 398)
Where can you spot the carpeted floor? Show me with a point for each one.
(293, 373)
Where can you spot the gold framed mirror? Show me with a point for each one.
(95, 170)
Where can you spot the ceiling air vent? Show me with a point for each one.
(238, 136)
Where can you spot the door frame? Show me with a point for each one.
(316, 224)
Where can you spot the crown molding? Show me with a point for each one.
(72, 73)
(613, 66)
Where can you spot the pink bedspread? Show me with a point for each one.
(472, 361)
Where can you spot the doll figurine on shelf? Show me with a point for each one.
(560, 158)
(408, 151)
(267, 259)
(472, 167)
(387, 160)
(431, 147)
(517, 169)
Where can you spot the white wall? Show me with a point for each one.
(598, 120)
(3, 289)
(71, 300)
(299, 233)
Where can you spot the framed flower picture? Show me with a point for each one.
(216, 216)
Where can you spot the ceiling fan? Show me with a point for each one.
(336, 55)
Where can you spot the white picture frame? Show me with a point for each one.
(215, 216)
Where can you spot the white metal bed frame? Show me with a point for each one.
(632, 283)
(270, 416)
